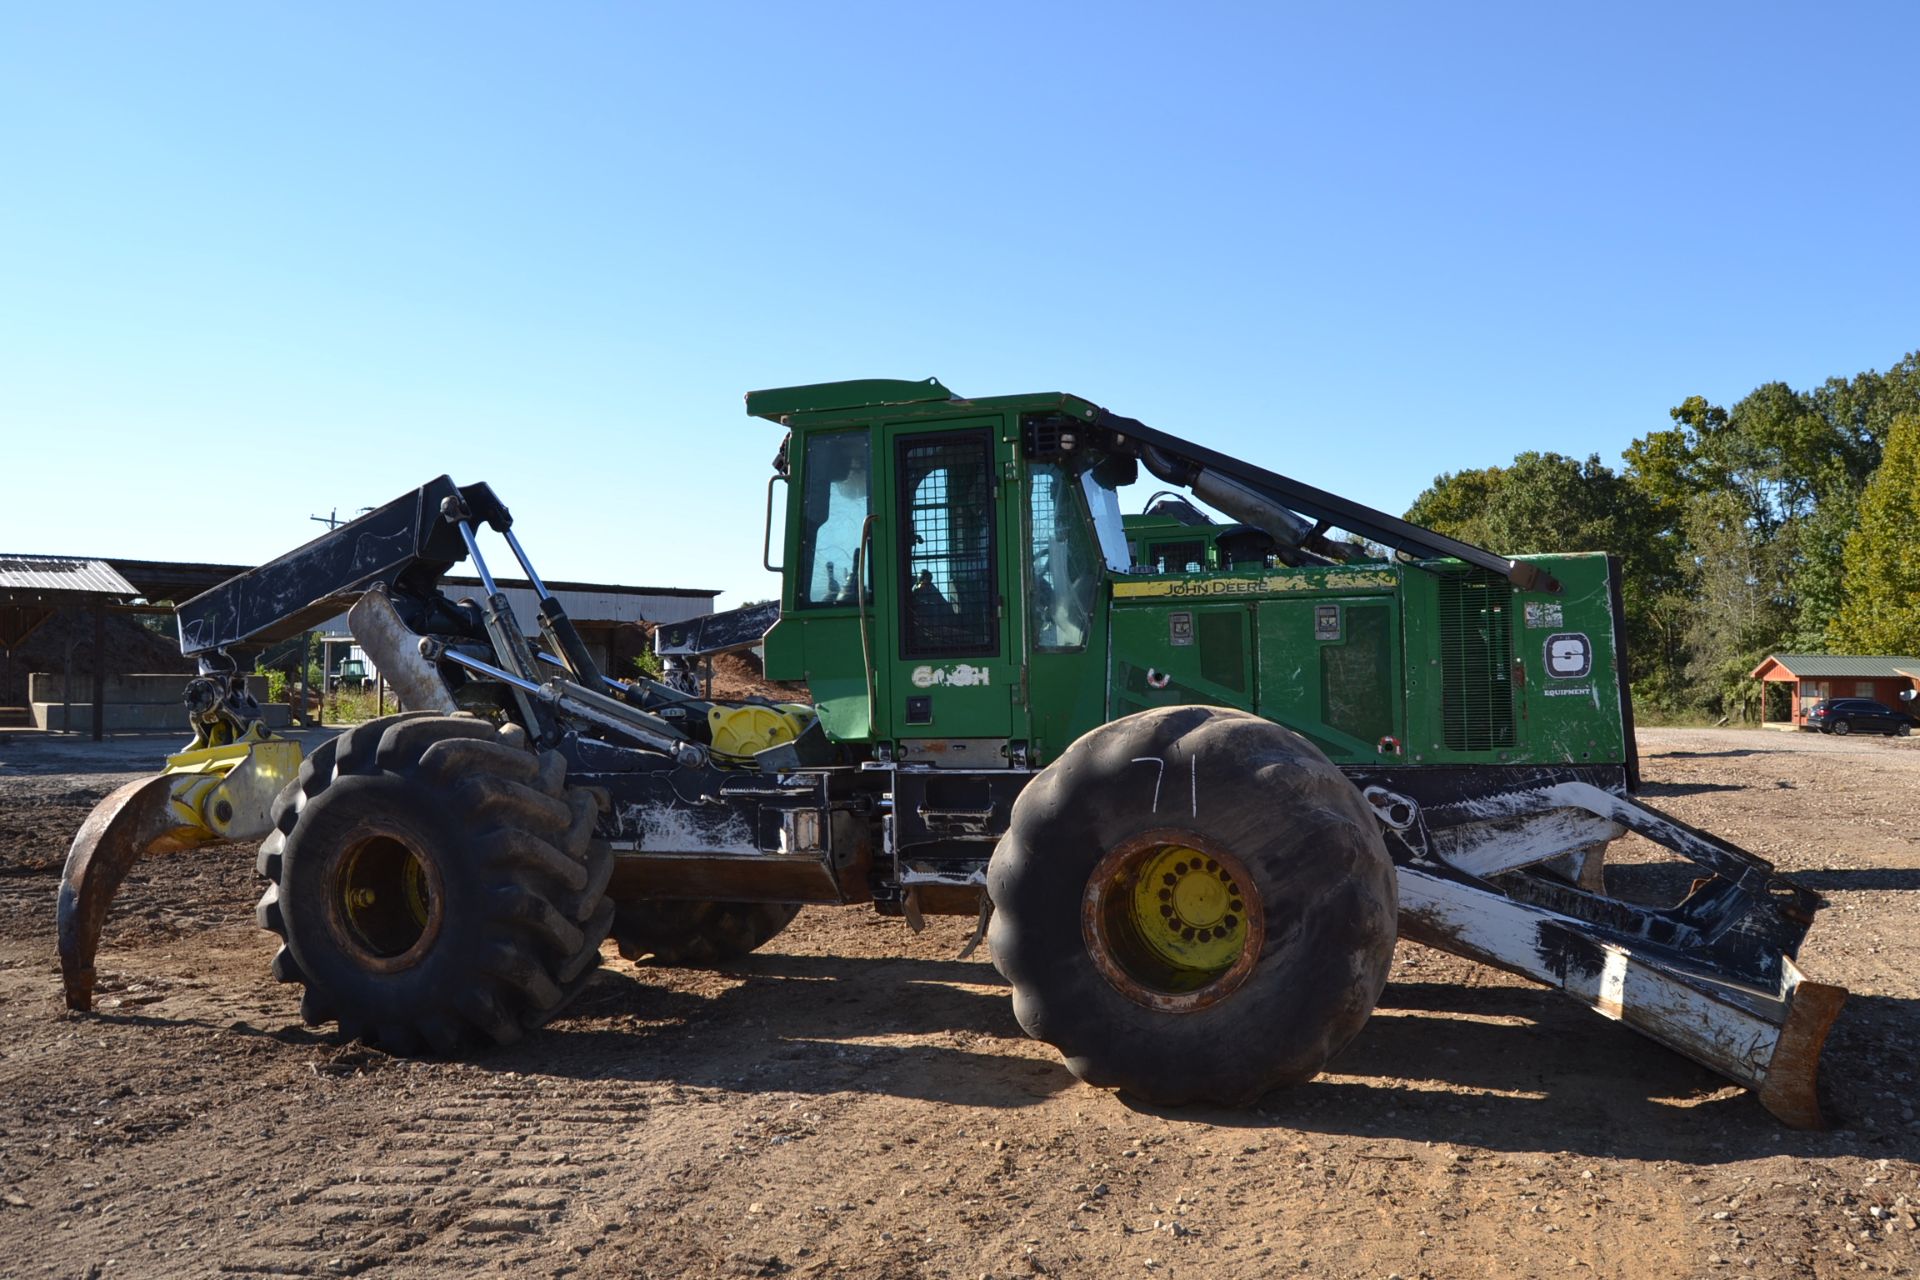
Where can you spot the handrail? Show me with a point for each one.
(860, 570)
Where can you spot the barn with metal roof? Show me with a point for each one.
(35, 590)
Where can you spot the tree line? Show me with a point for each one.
(1789, 522)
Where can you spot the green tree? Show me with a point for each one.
(1881, 611)
(1456, 504)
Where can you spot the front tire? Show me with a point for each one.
(435, 885)
(1193, 905)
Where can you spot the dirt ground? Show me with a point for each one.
(856, 1101)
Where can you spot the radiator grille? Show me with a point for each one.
(1476, 660)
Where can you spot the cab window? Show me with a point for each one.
(948, 587)
(1064, 568)
(832, 517)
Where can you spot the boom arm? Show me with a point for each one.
(407, 543)
(1201, 469)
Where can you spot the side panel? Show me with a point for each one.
(1498, 676)
(1167, 655)
(1330, 668)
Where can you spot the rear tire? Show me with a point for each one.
(436, 886)
(1903, 731)
(1193, 905)
(1842, 728)
(697, 934)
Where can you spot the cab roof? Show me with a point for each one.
(821, 400)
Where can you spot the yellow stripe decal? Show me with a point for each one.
(1268, 584)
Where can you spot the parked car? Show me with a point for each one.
(1847, 715)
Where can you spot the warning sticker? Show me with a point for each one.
(1544, 614)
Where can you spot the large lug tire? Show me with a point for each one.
(696, 934)
(1193, 905)
(435, 885)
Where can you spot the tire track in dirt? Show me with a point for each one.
(488, 1178)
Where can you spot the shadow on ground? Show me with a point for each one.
(1655, 789)
(1502, 1067)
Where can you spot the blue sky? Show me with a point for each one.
(257, 262)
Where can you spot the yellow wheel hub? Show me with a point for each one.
(382, 896)
(1187, 909)
(1171, 921)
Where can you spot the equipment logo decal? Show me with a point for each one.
(1569, 655)
(960, 675)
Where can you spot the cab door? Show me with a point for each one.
(955, 675)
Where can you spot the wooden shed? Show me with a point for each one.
(1812, 678)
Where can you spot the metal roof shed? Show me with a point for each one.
(34, 588)
(1815, 677)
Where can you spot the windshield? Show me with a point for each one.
(1104, 503)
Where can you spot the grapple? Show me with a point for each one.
(208, 792)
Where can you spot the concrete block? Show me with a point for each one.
(139, 717)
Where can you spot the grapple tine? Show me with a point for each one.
(133, 822)
(1790, 1088)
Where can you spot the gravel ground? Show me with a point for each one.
(855, 1101)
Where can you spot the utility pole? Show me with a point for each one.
(332, 519)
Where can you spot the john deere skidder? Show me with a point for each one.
(1195, 778)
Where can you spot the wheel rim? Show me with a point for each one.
(1172, 921)
(384, 899)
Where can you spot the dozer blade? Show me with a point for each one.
(1766, 1039)
(219, 793)
(1712, 977)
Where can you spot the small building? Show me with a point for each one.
(73, 593)
(1812, 678)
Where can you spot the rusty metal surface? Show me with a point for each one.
(133, 822)
(1790, 1089)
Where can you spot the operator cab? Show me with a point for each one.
(936, 571)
